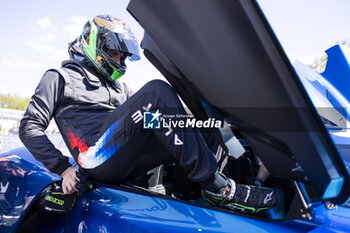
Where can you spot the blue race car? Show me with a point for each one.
(224, 60)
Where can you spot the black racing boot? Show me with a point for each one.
(245, 198)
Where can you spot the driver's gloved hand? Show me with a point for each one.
(85, 184)
(54, 200)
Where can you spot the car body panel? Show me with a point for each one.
(122, 211)
(330, 100)
(337, 71)
(332, 220)
(21, 184)
(325, 89)
(117, 209)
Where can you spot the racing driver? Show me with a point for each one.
(100, 120)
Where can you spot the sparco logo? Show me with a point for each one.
(55, 200)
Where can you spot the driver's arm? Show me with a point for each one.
(36, 119)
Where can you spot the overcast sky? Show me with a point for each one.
(34, 34)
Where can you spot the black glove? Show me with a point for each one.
(56, 201)
(85, 184)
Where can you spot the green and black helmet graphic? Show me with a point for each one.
(105, 33)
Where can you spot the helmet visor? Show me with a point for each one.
(125, 42)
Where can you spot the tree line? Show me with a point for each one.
(13, 102)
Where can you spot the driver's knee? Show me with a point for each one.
(159, 88)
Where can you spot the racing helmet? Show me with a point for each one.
(104, 33)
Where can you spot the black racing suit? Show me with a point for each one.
(103, 127)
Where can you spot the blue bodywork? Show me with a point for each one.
(108, 209)
(21, 183)
(329, 93)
